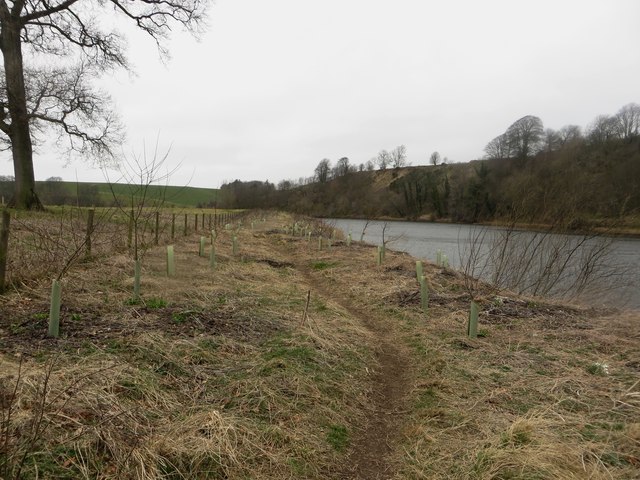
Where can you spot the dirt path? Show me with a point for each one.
(372, 450)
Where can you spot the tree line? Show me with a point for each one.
(53, 191)
(581, 178)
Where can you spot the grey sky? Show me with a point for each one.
(274, 86)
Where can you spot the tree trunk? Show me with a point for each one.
(24, 194)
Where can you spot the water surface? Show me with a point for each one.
(618, 267)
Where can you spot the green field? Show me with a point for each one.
(178, 196)
(104, 194)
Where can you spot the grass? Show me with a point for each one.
(338, 437)
(181, 196)
(218, 376)
(322, 265)
(155, 302)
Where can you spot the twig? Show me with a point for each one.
(306, 308)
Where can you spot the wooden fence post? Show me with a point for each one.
(157, 228)
(173, 226)
(185, 224)
(87, 241)
(4, 247)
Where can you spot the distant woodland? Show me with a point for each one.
(574, 177)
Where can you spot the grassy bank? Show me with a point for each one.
(287, 361)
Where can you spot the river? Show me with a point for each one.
(610, 267)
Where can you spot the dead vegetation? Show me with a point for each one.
(214, 374)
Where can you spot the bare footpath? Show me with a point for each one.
(372, 450)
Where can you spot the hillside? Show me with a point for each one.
(580, 186)
(102, 194)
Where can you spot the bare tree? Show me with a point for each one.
(322, 170)
(569, 133)
(383, 159)
(138, 173)
(364, 229)
(628, 121)
(539, 263)
(524, 136)
(342, 167)
(434, 159)
(498, 148)
(399, 157)
(36, 97)
(602, 129)
(551, 140)
(370, 165)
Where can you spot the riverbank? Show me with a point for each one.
(625, 228)
(293, 361)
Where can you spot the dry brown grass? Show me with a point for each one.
(548, 391)
(215, 375)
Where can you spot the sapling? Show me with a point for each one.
(54, 309)
(424, 294)
(472, 328)
(171, 265)
(90, 215)
(56, 285)
(138, 173)
(212, 256)
(212, 252)
(4, 245)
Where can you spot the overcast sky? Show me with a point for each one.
(275, 86)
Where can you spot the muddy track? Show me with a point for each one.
(372, 450)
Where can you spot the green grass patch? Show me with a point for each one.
(322, 265)
(155, 303)
(338, 437)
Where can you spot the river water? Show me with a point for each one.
(612, 265)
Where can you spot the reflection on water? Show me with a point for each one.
(617, 267)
